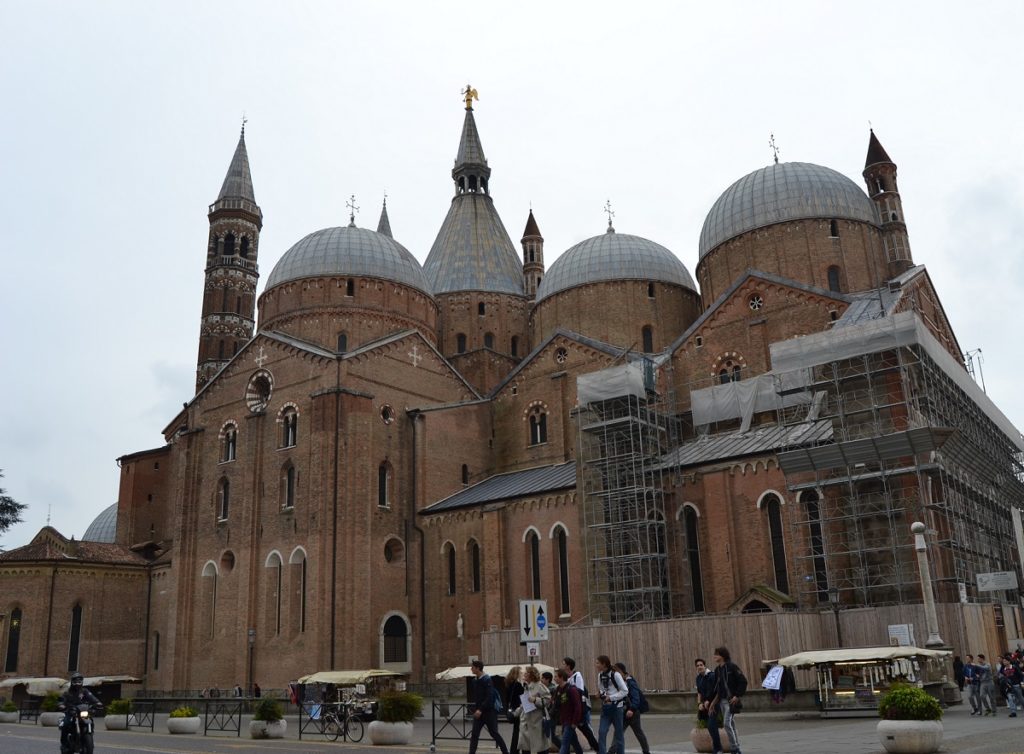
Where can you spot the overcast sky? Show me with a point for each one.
(118, 121)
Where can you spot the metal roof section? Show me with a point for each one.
(738, 444)
(352, 252)
(384, 224)
(471, 149)
(853, 453)
(303, 345)
(782, 192)
(473, 251)
(876, 152)
(104, 527)
(238, 181)
(614, 256)
(510, 485)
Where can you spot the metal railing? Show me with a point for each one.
(450, 722)
(29, 710)
(223, 717)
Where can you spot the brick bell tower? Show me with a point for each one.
(229, 296)
(880, 178)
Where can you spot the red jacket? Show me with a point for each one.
(570, 705)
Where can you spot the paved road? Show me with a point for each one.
(777, 732)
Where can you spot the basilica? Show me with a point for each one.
(382, 458)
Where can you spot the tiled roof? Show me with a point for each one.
(51, 546)
(876, 152)
(511, 485)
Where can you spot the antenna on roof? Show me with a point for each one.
(49, 510)
(775, 148)
(608, 211)
(969, 363)
(352, 209)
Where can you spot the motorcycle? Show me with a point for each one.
(80, 734)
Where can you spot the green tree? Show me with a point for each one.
(10, 509)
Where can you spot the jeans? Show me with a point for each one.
(611, 714)
(974, 697)
(1014, 700)
(988, 696)
(488, 718)
(638, 731)
(569, 739)
(729, 723)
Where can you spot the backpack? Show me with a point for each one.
(496, 700)
(738, 685)
(635, 692)
(643, 706)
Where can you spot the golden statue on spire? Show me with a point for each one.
(469, 93)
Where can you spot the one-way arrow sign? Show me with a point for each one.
(533, 620)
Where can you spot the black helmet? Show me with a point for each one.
(77, 680)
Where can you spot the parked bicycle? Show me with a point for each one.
(342, 721)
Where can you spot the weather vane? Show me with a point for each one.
(469, 94)
(608, 211)
(775, 149)
(244, 121)
(352, 209)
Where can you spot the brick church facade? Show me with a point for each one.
(376, 471)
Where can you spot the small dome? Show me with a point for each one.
(777, 193)
(104, 526)
(349, 251)
(613, 256)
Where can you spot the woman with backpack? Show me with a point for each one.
(613, 691)
(636, 705)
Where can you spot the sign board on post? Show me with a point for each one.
(533, 620)
(997, 581)
(533, 650)
(901, 635)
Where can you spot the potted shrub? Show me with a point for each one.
(117, 714)
(701, 738)
(911, 721)
(268, 720)
(395, 712)
(183, 719)
(49, 717)
(9, 712)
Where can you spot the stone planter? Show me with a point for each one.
(390, 734)
(701, 740)
(116, 722)
(8, 717)
(267, 729)
(50, 719)
(184, 724)
(910, 736)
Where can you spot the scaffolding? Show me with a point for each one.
(622, 439)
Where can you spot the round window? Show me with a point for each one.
(561, 356)
(257, 394)
(387, 414)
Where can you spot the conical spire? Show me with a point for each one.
(876, 152)
(531, 227)
(384, 226)
(238, 181)
(471, 151)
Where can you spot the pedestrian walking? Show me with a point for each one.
(513, 693)
(635, 707)
(570, 711)
(986, 681)
(551, 713)
(730, 685)
(532, 738)
(1009, 680)
(576, 679)
(972, 682)
(612, 690)
(958, 672)
(484, 713)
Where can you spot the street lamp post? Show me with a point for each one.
(931, 619)
(833, 597)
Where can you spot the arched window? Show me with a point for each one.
(244, 247)
(350, 287)
(156, 650)
(289, 427)
(489, 340)
(817, 542)
(208, 596)
(220, 349)
(538, 426)
(13, 639)
(342, 342)
(514, 347)
(223, 499)
(474, 559)
(272, 591)
(229, 446)
(288, 487)
(297, 575)
(465, 474)
(562, 545)
(691, 535)
(384, 485)
(460, 343)
(773, 508)
(533, 544)
(833, 279)
(833, 229)
(481, 309)
(75, 640)
(650, 290)
(229, 244)
(648, 339)
(395, 640)
(450, 562)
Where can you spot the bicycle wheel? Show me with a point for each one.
(353, 729)
(332, 729)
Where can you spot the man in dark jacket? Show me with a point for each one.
(76, 694)
(484, 713)
(632, 716)
(570, 711)
(729, 687)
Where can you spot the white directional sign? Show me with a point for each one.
(997, 581)
(533, 620)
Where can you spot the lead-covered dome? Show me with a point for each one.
(351, 252)
(104, 527)
(777, 193)
(613, 256)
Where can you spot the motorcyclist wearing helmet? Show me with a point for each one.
(76, 694)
